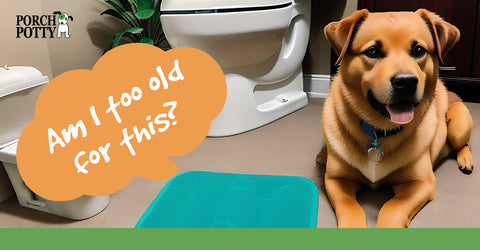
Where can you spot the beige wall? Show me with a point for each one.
(317, 59)
(20, 52)
(90, 33)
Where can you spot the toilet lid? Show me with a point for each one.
(216, 6)
(17, 78)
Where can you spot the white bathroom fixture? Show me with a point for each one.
(19, 90)
(260, 45)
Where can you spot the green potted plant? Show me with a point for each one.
(143, 17)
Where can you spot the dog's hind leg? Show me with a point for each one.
(459, 129)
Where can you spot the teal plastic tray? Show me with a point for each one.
(221, 200)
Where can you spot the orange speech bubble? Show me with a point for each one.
(96, 129)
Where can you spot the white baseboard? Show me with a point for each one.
(316, 85)
(316, 95)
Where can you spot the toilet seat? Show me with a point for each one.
(224, 10)
(215, 6)
(8, 154)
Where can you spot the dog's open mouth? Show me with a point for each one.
(401, 112)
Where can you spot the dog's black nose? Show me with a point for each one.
(405, 82)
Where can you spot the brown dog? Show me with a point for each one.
(387, 88)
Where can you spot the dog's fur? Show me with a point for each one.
(440, 124)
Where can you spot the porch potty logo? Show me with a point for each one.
(43, 26)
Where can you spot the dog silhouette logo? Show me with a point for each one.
(62, 24)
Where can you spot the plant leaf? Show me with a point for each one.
(156, 7)
(144, 4)
(133, 4)
(116, 5)
(126, 5)
(144, 14)
(120, 34)
(113, 13)
(131, 19)
(146, 40)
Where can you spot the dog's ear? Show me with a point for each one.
(339, 33)
(444, 34)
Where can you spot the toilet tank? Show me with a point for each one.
(20, 87)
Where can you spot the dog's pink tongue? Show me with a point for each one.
(400, 113)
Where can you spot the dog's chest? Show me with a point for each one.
(374, 172)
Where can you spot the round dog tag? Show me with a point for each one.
(375, 155)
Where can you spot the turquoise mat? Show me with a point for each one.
(220, 200)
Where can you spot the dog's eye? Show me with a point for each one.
(373, 52)
(418, 51)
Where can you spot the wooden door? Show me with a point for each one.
(476, 52)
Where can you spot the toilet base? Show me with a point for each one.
(80, 208)
(6, 189)
(250, 105)
(77, 209)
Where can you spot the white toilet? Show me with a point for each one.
(19, 90)
(260, 45)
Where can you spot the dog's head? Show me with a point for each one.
(63, 18)
(391, 59)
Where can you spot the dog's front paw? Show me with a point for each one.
(465, 160)
(466, 169)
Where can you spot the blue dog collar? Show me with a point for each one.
(378, 133)
(375, 152)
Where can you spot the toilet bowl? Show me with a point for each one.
(259, 44)
(19, 90)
